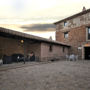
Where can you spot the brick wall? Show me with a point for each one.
(36, 48)
(57, 51)
(9, 46)
(77, 37)
(76, 28)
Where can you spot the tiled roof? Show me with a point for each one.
(32, 37)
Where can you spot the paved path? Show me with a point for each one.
(5, 67)
(61, 75)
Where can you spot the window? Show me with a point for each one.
(1, 53)
(65, 23)
(88, 33)
(66, 35)
(50, 48)
(63, 49)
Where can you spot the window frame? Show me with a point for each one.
(87, 34)
(65, 35)
(50, 48)
(63, 49)
(65, 23)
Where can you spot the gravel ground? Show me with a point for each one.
(61, 75)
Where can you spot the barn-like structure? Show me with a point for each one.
(13, 42)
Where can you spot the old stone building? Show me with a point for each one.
(13, 42)
(75, 30)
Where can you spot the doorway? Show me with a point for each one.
(87, 53)
(1, 53)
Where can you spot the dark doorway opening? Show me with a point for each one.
(87, 53)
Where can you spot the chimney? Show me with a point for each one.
(84, 9)
(50, 37)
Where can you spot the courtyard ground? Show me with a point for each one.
(60, 75)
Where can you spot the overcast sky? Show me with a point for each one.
(38, 12)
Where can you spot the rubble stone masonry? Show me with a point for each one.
(76, 28)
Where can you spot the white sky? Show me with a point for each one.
(39, 11)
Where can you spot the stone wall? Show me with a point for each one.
(9, 46)
(36, 48)
(73, 23)
(76, 29)
(43, 51)
(57, 52)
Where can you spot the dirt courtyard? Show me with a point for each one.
(60, 75)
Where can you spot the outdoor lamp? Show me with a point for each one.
(22, 41)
